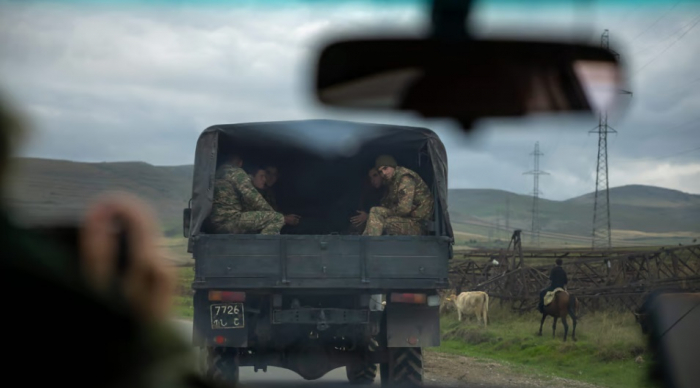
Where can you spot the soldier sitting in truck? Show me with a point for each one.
(238, 208)
(373, 191)
(407, 204)
(272, 174)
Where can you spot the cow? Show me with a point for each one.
(476, 302)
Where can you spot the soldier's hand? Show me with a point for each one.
(148, 281)
(292, 219)
(359, 219)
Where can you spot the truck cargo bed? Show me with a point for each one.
(328, 261)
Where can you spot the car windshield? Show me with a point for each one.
(116, 95)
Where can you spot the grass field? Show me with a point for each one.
(480, 234)
(176, 249)
(605, 353)
(183, 296)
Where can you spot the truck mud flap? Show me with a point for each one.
(412, 326)
(315, 316)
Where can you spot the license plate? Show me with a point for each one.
(227, 316)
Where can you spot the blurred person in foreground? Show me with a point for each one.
(71, 317)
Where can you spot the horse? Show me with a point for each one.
(562, 304)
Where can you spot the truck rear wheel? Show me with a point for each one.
(404, 369)
(222, 365)
(361, 373)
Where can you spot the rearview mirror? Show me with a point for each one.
(468, 79)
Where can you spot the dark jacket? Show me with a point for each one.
(371, 197)
(48, 302)
(558, 277)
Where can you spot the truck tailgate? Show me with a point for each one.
(320, 261)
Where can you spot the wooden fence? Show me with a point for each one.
(618, 279)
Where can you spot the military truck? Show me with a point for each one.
(315, 298)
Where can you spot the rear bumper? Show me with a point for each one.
(267, 321)
(320, 316)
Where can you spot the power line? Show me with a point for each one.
(665, 38)
(601, 236)
(684, 124)
(668, 47)
(657, 20)
(535, 233)
(678, 154)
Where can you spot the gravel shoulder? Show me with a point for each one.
(459, 371)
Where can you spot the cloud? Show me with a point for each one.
(141, 83)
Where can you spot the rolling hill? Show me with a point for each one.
(48, 190)
(645, 196)
(635, 208)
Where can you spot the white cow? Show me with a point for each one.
(476, 302)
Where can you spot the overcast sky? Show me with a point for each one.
(140, 83)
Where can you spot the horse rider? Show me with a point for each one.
(557, 279)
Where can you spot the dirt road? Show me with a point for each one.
(459, 371)
(441, 370)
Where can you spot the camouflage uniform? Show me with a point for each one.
(407, 204)
(239, 208)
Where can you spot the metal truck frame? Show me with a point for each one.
(315, 302)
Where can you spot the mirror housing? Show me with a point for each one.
(670, 321)
(468, 79)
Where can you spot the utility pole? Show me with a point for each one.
(535, 231)
(601, 236)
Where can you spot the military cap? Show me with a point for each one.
(385, 160)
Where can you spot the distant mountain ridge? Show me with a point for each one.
(58, 189)
(640, 195)
(50, 189)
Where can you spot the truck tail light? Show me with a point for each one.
(226, 296)
(409, 298)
